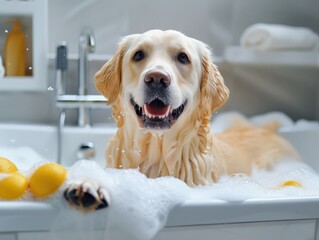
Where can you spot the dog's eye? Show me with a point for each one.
(138, 56)
(183, 58)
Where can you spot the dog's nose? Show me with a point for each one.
(157, 78)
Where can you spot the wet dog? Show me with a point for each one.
(163, 87)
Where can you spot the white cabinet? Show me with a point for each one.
(33, 14)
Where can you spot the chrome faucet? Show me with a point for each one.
(86, 46)
(83, 102)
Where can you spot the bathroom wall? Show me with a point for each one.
(216, 22)
(219, 23)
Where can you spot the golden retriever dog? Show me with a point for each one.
(163, 88)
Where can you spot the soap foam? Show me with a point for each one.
(224, 121)
(22, 157)
(265, 183)
(303, 124)
(281, 118)
(139, 206)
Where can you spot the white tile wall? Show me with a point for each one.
(216, 22)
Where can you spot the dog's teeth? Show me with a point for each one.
(149, 115)
(167, 112)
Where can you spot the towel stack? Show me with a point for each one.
(274, 37)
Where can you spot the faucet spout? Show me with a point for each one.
(86, 46)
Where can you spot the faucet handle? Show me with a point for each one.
(61, 56)
(86, 151)
(61, 67)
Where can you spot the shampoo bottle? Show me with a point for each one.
(15, 51)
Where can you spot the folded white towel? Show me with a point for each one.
(279, 37)
(2, 71)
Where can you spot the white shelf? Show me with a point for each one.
(27, 83)
(247, 56)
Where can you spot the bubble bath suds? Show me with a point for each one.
(140, 206)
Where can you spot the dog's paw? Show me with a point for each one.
(86, 195)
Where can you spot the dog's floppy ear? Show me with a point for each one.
(108, 79)
(214, 92)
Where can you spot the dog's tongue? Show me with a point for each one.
(157, 108)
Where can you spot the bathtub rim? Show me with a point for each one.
(15, 216)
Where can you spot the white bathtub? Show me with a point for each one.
(288, 218)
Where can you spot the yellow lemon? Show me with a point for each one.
(13, 186)
(291, 183)
(47, 179)
(6, 166)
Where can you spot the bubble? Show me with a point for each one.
(30, 68)
(50, 89)
(6, 30)
(23, 157)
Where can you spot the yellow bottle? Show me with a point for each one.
(15, 51)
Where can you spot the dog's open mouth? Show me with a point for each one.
(157, 114)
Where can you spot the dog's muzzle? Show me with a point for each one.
(157, 113)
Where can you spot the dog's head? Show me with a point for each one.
(161, 77)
